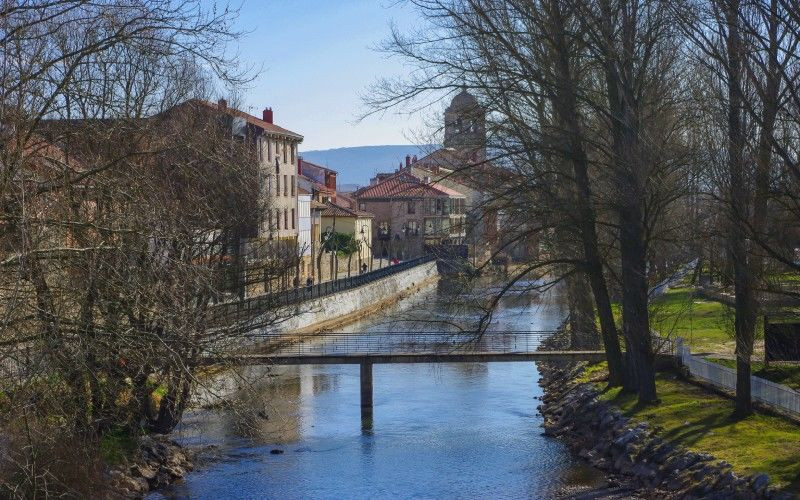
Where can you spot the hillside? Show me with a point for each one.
(357, 164)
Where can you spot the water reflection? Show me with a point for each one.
(459, 430)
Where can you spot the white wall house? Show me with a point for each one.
(304, 225)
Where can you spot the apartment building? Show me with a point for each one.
(410, 213)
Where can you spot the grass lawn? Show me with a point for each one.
(705, 325)
(700, 421)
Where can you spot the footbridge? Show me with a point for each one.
(375, 347)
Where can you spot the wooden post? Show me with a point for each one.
(366, 396)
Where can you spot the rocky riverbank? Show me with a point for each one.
(633, 454)
(157, 462)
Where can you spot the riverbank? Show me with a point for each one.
(643, 453)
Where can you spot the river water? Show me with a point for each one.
(463, 430)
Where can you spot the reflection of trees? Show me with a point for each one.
(269, 408)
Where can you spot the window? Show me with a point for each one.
(277, 164)
(428, 226)
(278, 219)
(293, 223)
(362, 207)
(292, 185)
(269, 220)
(277, 185)
(269, 150)
(438, 206)
(383, 228)
(294, 151)
(286, 218)
(284, 153)
(412, 207)
(285, 185)
(412, 228)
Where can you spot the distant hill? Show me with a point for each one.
(357, 164)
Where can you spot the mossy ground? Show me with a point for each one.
(701, 421)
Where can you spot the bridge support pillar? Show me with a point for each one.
(366, 396)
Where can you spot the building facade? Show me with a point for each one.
(356, 224)
(411, 213)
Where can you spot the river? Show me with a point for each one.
(440, 431)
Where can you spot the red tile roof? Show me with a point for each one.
(345, 200)
(405, 185)
(269, 127)
(334, 210)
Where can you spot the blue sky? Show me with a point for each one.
(317, 60)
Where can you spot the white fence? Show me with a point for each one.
(777, 396)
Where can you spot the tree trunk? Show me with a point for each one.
(745, 304)
(566, 107)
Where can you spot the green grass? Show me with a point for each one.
(705, 325)
(700, 421)
(594, 371)
(779, 373)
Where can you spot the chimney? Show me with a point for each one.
(267, 115)
(222, 104)
(414, 159)
(408, 161)
(400, 167)
(426, 180)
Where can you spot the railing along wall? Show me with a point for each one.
(777, 396)
(223, 313)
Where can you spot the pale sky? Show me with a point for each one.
(317, 60)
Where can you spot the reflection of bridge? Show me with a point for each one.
(368, 348)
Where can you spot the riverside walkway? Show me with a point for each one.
(368, 348)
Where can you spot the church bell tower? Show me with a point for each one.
(465, 123)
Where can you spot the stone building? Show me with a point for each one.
(462, 164)
(273, 255)
(410, 213)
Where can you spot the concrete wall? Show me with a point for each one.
(351, 304)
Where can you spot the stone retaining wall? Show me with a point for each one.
(327, 312)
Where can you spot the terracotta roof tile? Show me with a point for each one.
(334, 210)
(405, 185)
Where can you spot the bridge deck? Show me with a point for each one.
(373, 347)
(415, 357)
